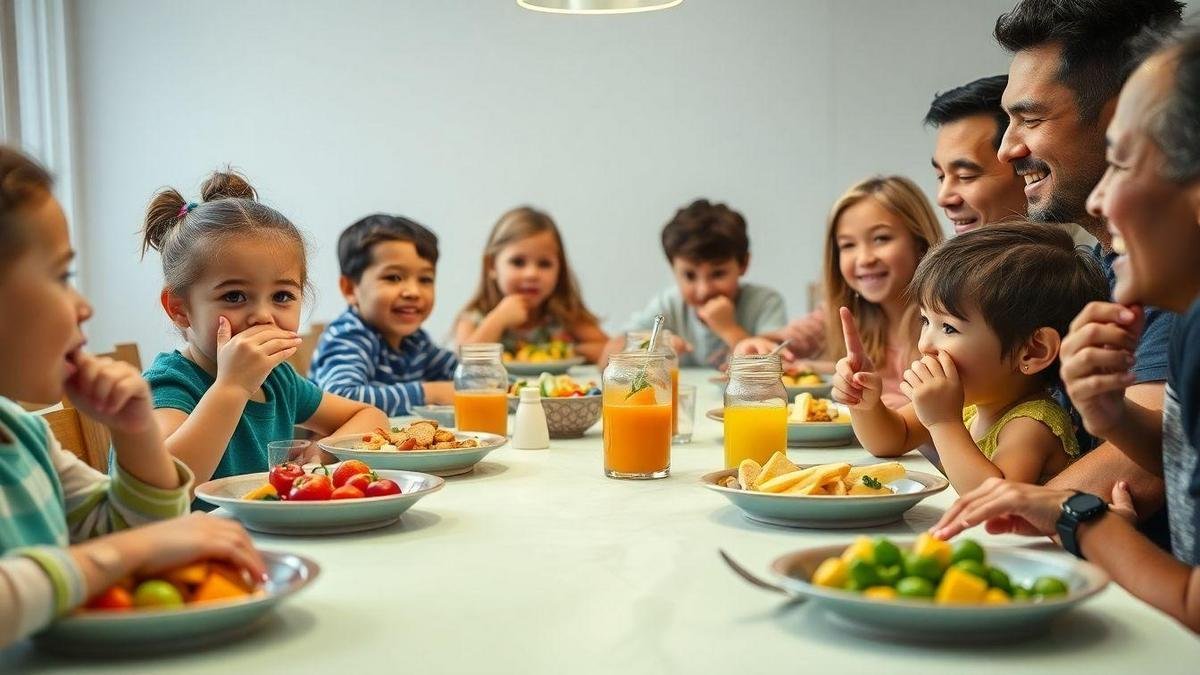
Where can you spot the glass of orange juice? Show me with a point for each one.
(637, 340)
(481, 390)
(637, 416)
(755, 410)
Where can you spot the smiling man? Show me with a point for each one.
(1070, 58)
(975, 188)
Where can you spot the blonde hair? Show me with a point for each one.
(902, 197)
(565, 302)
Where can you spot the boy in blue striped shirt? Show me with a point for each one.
(376, 351)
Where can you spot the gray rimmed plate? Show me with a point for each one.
(807, 434)
(166, 630)
(822, 390)
(442, 414)
(535, 368)
(436, 462)
(926, 621)
(829, 512)
(308, 518)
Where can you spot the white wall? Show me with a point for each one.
(452, 111)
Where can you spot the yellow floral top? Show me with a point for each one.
(1044, 410)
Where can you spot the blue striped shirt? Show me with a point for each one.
(353, 360)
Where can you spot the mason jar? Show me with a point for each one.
(637, 416)
(755, 409)
(481, 389)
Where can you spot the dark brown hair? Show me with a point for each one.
(357, 241)
(186, 234)
(1021, 276)
(565, 303)
(23, 184)
(706, 232)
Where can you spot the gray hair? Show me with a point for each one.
(1175, 127)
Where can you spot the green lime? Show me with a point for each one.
(914, 587)
(863, 573)
(926, 567)
(1049, 586)
(998, 579)
(888, 576)
(1020, 592)
(972, 567)
(967, 549)
(157, 593)
(886, 553)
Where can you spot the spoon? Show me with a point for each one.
(782, 345)
(754, 580)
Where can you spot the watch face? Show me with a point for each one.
(1084, 504)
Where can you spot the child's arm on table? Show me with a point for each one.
(336, 415)
(39, 584)
(512, 311)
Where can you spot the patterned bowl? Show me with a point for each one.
(568, 417)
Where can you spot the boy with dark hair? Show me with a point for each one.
(709, 307)
(974, 187)
(376, 351)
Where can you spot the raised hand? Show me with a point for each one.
(1096, 356)
(111, 392)
(935, 389)
(855, 382)
(247, 358)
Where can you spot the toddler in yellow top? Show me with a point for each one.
(995, 304)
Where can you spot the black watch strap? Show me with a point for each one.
(1077, 509)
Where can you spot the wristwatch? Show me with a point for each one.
(1079, 508)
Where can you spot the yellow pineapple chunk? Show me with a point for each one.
(831, 573)
(960, 588)
(995, 596)
(862, 549)
(930, 546)
(880, 593)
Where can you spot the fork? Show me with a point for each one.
(755, 580)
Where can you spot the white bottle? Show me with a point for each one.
(530, 431)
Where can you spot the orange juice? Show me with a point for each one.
(637, 436)
(674, 402)
(483, 411)
(754, 432)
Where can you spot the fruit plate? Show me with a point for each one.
(535, 368)
(336, 516)
(924, 621)
(807, 434)
(189, 627)
(436, 462)
(829, 512)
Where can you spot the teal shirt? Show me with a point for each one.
(290, 400)
(31, 498)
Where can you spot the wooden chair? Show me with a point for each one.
(127, 352)
(302, 359)
(82, 436)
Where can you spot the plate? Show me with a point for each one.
(442, 414)
(535, 368)
(331, 517)
(823, 390)
(829, 512)
(807, 434)
(436, 462)
(924, 621)
(169, 630)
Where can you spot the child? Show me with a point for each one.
(52, 555)
(235, 274)
(994, 305)
(376, 351)
(527, 294)
(709, 308)
(877, 233)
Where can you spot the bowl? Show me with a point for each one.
(807, 434)
(568, 416)
(442, 414)
(149, 631)
(436, 462)
(308, 518)
(924, 621)
(535, 368)
(827, 512)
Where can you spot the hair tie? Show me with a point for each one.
(185, 209)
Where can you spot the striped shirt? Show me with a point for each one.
(49, 499)
(353, 360)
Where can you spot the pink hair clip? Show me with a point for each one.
(185, 209)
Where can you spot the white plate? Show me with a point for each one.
(436, 462)
(535, 368)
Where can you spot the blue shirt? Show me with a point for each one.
(1181, 438)
(353, 360)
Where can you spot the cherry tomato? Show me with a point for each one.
(283, 476)
(347, 492)
(348, 469)
(116, 598)
(361, 481)
(382, 488)
(311, 488)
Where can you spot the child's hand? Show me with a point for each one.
(718, 314)
(112, 393)
(680, 345)
(512, 311)
(1096, 356)
(761, 345)
(935, 390)
(438, 393)
(246, 359)
(855, 382)
(807, 334)
(170, 543)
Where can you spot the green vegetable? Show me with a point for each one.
(872, 483)
(886, 553)
(863, 573)
(973, 567)
(914, 587)
(967, 549)
(926, 567)
(1049, 586)
(888, 576)
(997, 578)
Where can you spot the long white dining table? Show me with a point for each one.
(538, 563)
